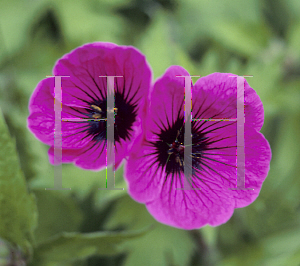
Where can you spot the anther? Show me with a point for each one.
(97, 108)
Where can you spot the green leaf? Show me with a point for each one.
(160, 49)
(76, 246)
(273, 245)
(18, 209)
(114, 4)
(278, 249)
(247, 256)
(15, 19)
(283, 183)
(210, 63)
(96, 22)
(293, 7)
(160, 246)
(82, 182)
(267, 73)
(293, 40)
(129, 214)
(243, 38)
(238, 25)
(294, 259)
(163, 245)
(58, 212)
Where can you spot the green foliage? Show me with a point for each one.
(18, 210)
(58, 212)
(75, 246)
(160, 246)
(15, 24)
(167, 53)
(76, 227)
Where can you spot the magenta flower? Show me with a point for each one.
(84, 96)
(155, 166)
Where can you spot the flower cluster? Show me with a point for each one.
(149, 132)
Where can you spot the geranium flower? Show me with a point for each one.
(155, 167)
(84, 97)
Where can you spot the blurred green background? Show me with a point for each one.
(85, 226)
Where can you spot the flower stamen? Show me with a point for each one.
(96, 108)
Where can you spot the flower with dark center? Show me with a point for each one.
(84, 103)
(154, 170)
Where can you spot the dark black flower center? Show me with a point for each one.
(170, 147)
(125, 115)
